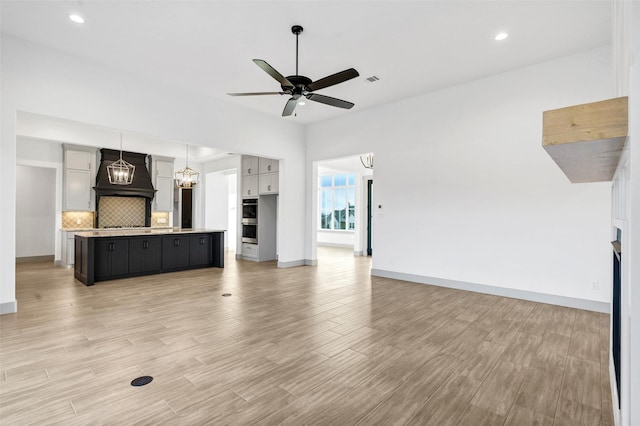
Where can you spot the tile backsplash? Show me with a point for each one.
(160, 219)
(77, 220)
(121, 211)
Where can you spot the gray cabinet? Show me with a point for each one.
(249, 186)
(269, 183)
(268, 165)
(67, 238)
(250, 165)
(79, 165)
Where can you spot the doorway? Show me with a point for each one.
(35, 213)
(221, 204)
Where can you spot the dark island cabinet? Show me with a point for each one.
(145, 255)
(99, 257)
(175, 252)
(111, 258)
(199, 250)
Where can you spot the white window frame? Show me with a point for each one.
(333, 188)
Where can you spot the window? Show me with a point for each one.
(338, 201)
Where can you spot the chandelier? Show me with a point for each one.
(120, 172)
(367, 162)
(187, 177)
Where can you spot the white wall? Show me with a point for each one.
(217, 202)
(627, 73)
(228, 163)
(36, 211)
(336, 238)
(39, 80)
(467, 192)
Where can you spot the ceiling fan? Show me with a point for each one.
(298, 86)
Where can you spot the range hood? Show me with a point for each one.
(141, 185)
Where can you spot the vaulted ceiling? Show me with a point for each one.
(413, 47)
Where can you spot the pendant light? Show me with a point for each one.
(120, 172)
(187, 177)
(367, 162)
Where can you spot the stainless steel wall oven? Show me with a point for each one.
(250, 220)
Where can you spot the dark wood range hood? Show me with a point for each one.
(141, 185)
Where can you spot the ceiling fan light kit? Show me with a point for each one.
(298, 86)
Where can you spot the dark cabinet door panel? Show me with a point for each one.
(111, 257)
(136, 255)
(200, 250)
(145, 255)
(120, 257)
(153, 257)
(175, 252)
(102, 265)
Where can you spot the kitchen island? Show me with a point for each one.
(107, 255)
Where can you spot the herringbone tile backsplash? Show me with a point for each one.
(121, 211)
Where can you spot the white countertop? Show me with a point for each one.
(123, 232)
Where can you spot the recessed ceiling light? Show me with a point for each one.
(302, 103)
(501, 36)
(76, 18)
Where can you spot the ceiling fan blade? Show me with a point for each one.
(333, 79)
(289, 107)
(329, 101)
(257, 93)
(273, 73)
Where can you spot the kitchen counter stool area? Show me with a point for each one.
(101, 256)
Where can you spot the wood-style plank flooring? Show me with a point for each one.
(325, 345)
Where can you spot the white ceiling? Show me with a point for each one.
(412, 46)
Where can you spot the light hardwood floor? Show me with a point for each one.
(325, 345)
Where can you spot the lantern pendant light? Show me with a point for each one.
(187, 177)
(120, 172)
(367, 162)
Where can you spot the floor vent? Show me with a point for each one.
(141, 381)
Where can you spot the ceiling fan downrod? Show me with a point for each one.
(297, 29)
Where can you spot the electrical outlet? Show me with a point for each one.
(78, 221)
(595, 285)
(162, 220)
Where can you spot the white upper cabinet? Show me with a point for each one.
(79, 176)
(162, 175)
(259, 176)
(269, 183)
(267, 165)
(250, 186)
(249, 165)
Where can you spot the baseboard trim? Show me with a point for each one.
(358, 253)
(9, 307)
(291, 264)
(571, 302)
(336, 245)
(311, 262)
(25, 259)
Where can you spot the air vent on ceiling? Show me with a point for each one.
(371, 79)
